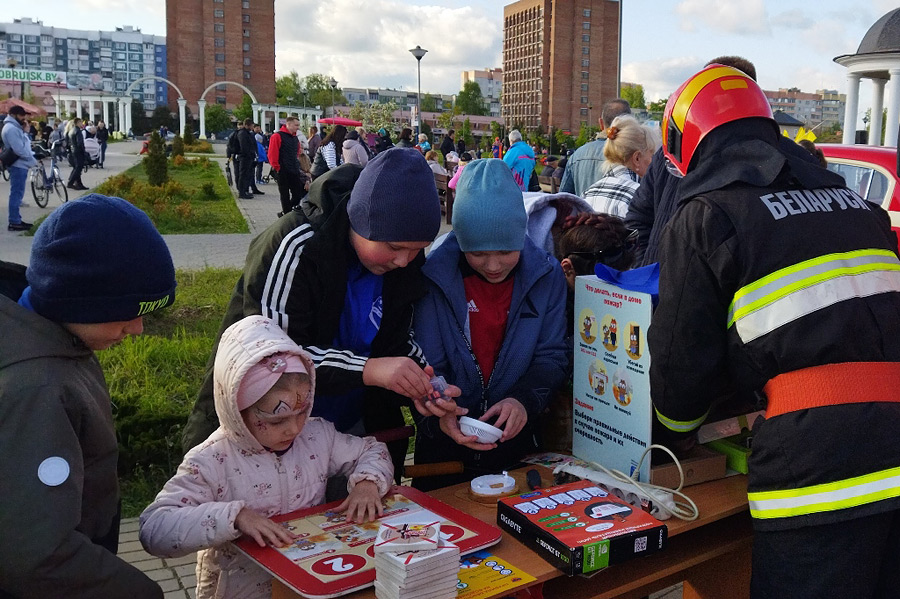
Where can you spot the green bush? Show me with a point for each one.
(188, 136)
(155, 163)
(198, 147)
(208, 192)
(177, 146)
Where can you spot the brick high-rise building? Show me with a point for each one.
(221, 40)
(560, 61)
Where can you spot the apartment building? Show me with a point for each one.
(491, 83)
(221, 40)
(90, 60)
(560, 61)
(820, 109)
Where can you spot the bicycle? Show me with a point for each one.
(42, 183)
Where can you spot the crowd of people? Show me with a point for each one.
(339, 320)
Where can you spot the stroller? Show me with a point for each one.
(91, 152)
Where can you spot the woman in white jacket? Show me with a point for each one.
(266, 458)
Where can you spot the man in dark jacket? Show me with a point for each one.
(342, 285)
(98, 265)
(777, 279)
(76, 147)
(447, 144)
(247, 161)
(284, 149)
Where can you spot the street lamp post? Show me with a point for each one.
(80, 107)
(333, 85)
(290, 100)
(418, 52)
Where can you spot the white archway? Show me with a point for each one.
(201, 104)
(125, 104)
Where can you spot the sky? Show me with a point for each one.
(365, 43)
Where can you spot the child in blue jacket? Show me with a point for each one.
(493, 324)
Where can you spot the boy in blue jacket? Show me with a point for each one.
(493, 324)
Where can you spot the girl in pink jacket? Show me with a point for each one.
(266, 458)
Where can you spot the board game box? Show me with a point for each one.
(331, 557)
(579, 527)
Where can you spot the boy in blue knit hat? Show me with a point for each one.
(342, 285)
(493, 324)
(98, 266)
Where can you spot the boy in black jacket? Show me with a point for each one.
(342, 283)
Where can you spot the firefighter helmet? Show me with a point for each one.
(714, 96)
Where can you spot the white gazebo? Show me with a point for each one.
(878, 59)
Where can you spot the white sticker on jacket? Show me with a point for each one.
(53, 471)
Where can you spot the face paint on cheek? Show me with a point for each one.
(261, 425)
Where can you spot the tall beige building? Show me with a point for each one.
(560, 61)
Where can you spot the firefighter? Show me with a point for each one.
(776, 278)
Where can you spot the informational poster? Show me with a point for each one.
(612, 412)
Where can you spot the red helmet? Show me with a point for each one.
(714, 96)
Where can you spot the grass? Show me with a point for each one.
(153, 380)
(197, 198)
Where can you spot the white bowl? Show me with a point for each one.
(484, 431)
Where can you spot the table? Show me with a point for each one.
(711, 555)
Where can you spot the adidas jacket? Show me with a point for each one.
(533, 359)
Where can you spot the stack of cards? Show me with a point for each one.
(422, 574)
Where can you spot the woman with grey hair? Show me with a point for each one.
(628, 150)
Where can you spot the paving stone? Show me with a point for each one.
(185, 570)
(162, 574)
(130, 546)
(189, 582)
(134, 556)
(127, 537)
(192, 593)
(129, 525)
(149, 564)
(179, 594)
(170, 585)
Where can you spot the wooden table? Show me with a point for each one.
(711, 555)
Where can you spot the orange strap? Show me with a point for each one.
(833, 384)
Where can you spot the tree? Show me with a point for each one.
(155, 163)
(656, 109)
(429, 103)
(318, 90)
(465, 133)
(564, 139)
(289, 86)
(374, 116)
(538, 138)
(216, 118)
(634, 93)
(470, 101)
(447, 119)
(140, 124)
(244, 110)
(161, 117)
(496, 131)
(177, 146)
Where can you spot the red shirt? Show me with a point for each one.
(488, 305)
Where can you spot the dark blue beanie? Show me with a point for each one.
(395, 198)
(489, 212)
(99, 259)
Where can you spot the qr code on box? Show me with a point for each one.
(640, 544)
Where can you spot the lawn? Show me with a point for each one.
(153, 380)
(197, 199)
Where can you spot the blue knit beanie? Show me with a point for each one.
(99, 259)
(489, 213)
(395, 198)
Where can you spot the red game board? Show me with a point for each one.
(332, 558)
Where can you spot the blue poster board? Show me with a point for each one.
(612, 409)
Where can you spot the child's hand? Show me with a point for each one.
(450, 426)
(398, 374)
(364, 503)
(261, 529)
(439, 407)
(512, 413)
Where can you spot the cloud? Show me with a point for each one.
(748, 17)
(661, 78)
(366, 44)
